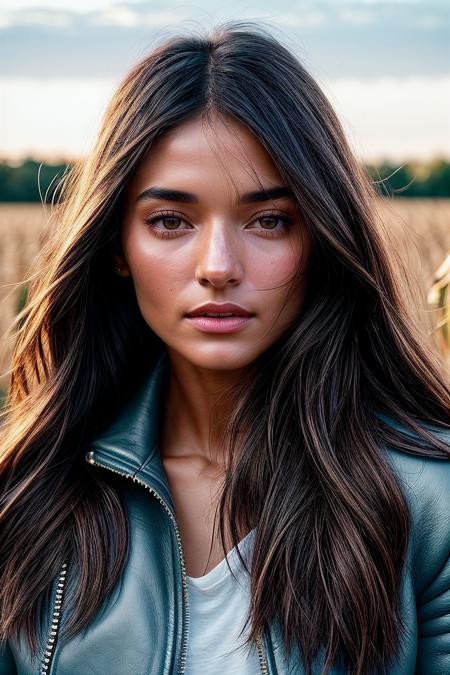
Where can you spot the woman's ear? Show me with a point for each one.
(120, 266)
(117, 257)
(119, 263)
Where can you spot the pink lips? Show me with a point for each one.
(219, 308)
(229, 324)
(226, 324)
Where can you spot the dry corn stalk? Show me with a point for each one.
(439, 299)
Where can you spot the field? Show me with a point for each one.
(417, 230)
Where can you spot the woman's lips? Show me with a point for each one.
(228, 324)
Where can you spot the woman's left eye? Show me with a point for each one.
(273, 231)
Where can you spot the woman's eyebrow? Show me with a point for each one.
(168, 194)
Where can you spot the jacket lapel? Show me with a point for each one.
(130, 444)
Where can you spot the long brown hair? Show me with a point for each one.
(333, 523)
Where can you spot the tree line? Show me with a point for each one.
(36, 181)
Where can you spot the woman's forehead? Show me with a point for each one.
(191, 156)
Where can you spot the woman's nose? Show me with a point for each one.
(218, 256)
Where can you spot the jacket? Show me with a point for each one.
(142, 627)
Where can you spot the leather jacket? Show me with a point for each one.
(142, 628)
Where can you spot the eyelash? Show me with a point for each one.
(168, 234)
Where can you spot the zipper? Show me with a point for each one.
(260, 645)
(262, 657)
(51, 640)
(90, 458)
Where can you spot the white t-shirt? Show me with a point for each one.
(218, 608)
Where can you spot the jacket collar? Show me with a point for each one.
(130, 444)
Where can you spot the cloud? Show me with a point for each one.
(301, 18)
(45, 18)
(61, 122)
(116, 15)
(129, 17)
(386, 117)
(357, 15)
(77, 7)
(354, 39)
(302, 14)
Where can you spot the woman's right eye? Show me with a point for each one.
(166, 218)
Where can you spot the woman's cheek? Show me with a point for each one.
(151, 281)
(277, 267)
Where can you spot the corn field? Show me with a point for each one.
(417, 232)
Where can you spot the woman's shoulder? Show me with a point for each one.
(426, 478)
(425, 483)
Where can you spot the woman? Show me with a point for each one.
(313, 426)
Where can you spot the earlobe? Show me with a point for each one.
(120, 267)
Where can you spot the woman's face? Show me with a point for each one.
(213, 244)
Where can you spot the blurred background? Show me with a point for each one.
(383, 65)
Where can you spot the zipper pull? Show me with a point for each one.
(89, 456)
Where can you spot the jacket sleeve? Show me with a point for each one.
(7, 665)
(426, 485)
(433, 601)
(433, 614)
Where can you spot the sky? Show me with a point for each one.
(385, 66)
